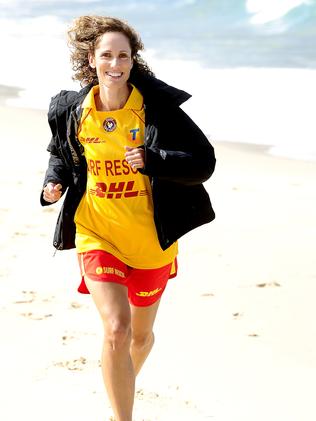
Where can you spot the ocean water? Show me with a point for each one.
(249, 64)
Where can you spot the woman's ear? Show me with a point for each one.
(91, 60)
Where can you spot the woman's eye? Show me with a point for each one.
(109, 56)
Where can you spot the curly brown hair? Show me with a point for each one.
(83, 37)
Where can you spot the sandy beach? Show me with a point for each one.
(236, 332)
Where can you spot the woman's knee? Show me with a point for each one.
(114, 309)
(117, 332)
(142, 340)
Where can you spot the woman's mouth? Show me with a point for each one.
(115, 75)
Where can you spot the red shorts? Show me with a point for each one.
(145, 286)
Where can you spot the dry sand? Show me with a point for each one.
(236, 332)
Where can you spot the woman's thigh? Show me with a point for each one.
(111, 300)
(143, 319)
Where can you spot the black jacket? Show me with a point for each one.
(178, 159)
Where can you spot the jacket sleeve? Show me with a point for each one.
(177, 150)
(56, 172)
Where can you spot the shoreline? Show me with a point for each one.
(8, 92)
(264, 149)
(233, 145)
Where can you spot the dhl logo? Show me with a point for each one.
(148, 293)
(117, 190)
(91, 140)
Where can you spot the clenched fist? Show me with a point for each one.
(135, 157)
(52, 192)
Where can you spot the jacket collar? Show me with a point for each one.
(155, 90)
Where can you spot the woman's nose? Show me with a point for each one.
(114, 61)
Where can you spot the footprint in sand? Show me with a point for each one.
(67, 338)
(268, 284)
(77, 364)
(207, 294)
(19, 234)
(142, 394)
(33, 316)
(75, 305)
(148, 396)
(29, 298)
(73, 365)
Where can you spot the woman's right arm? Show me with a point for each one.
(56, 179)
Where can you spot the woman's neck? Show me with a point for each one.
(112, 99)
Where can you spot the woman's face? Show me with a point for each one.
(112, 59)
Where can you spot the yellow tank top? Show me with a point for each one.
(116, 212)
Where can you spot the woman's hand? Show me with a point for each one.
(135, 157)
(52, 192)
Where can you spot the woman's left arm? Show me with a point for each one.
(177, 150)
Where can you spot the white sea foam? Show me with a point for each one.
(269, 10)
